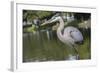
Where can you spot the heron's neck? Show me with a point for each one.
(60, 28)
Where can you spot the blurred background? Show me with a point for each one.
(40, 42)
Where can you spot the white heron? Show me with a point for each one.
(70, 35)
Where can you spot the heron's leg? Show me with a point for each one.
(72, 53)
(76, 50)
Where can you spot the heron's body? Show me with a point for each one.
(70, 36)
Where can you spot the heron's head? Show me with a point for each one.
(54, 19)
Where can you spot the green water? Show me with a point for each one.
(39, 47)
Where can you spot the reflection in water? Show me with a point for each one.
(45, 46)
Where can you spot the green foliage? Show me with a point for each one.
(31, 14)
(42, 14)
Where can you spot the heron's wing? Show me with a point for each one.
(76, 35)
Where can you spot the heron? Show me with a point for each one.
(70, 36)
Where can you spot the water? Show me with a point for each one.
(45, 46)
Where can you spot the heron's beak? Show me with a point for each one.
(45, 23)
(52, 20)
